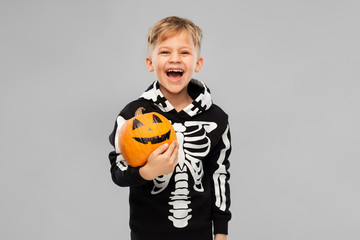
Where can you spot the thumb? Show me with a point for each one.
(161, 149)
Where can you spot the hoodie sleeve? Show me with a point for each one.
(219, 169)
(122, 174)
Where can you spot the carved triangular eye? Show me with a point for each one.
(156, 119)
(137, 123)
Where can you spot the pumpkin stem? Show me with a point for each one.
(139, 111)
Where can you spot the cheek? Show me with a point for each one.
(158, 62)
(191, 64)
(158, 68)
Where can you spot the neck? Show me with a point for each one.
(178, 100)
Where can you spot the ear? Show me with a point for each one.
(199, 64)
(149, 64)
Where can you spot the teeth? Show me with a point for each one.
(174, 70)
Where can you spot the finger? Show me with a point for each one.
(175, 155)
(176, 147)
(169, 150)
(161, 149)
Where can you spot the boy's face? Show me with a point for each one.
(174, 60)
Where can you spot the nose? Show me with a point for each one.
(174, 57)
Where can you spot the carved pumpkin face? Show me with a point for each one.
(142, 134)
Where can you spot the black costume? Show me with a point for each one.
(196, 196)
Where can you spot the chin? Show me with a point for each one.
(174, 90)
(171, 88)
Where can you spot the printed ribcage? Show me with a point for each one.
(193, 146)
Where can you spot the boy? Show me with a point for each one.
(182, 192)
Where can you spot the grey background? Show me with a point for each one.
(287, 73)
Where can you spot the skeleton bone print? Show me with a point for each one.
(194, 144)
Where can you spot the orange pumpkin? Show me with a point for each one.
(142, 134)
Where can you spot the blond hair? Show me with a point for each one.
(170, 26)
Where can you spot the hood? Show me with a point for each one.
(197, 91)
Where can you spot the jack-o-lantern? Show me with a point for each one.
(142, 134)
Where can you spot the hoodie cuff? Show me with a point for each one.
(137, 179)
(221, 226)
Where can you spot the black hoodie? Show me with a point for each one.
(196, 196)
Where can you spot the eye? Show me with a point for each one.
(185, 52)
(137, 124)
(165, 52)
(156, 119)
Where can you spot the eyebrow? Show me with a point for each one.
(181, 47)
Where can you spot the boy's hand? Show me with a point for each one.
(220, 236)
(160, 162)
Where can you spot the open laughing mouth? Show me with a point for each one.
(154, 140)
(174, 74)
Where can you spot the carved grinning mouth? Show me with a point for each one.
(154, 140)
